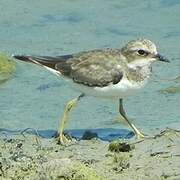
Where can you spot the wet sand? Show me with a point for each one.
(31, 157)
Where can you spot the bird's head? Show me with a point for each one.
(141, 52)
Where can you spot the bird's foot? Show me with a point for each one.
(63, 140)
(141, 136)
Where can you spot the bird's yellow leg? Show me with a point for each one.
(138, 134)
(69, 106)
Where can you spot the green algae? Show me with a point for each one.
(83, 172)
(120, 146)
(121, 161)
(7, 66)
(171, 90)
(66, 169)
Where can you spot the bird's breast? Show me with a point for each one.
(123, 89)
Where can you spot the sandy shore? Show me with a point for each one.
(29, 157)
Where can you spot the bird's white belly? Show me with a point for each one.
(124, 88)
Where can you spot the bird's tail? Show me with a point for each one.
(45, 61)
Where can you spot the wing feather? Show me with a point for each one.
(91, 68)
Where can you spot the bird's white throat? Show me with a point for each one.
(143, 66)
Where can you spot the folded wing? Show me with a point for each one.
(92, 68)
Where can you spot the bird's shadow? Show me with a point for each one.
(106, 134)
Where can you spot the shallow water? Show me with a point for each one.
(35, 98)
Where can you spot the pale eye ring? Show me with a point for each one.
(142, 52)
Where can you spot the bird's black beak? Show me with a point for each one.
(159, 57)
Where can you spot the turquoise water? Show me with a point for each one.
(35, 98)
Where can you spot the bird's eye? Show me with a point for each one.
(141, 52)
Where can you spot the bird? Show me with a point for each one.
(113, 73)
